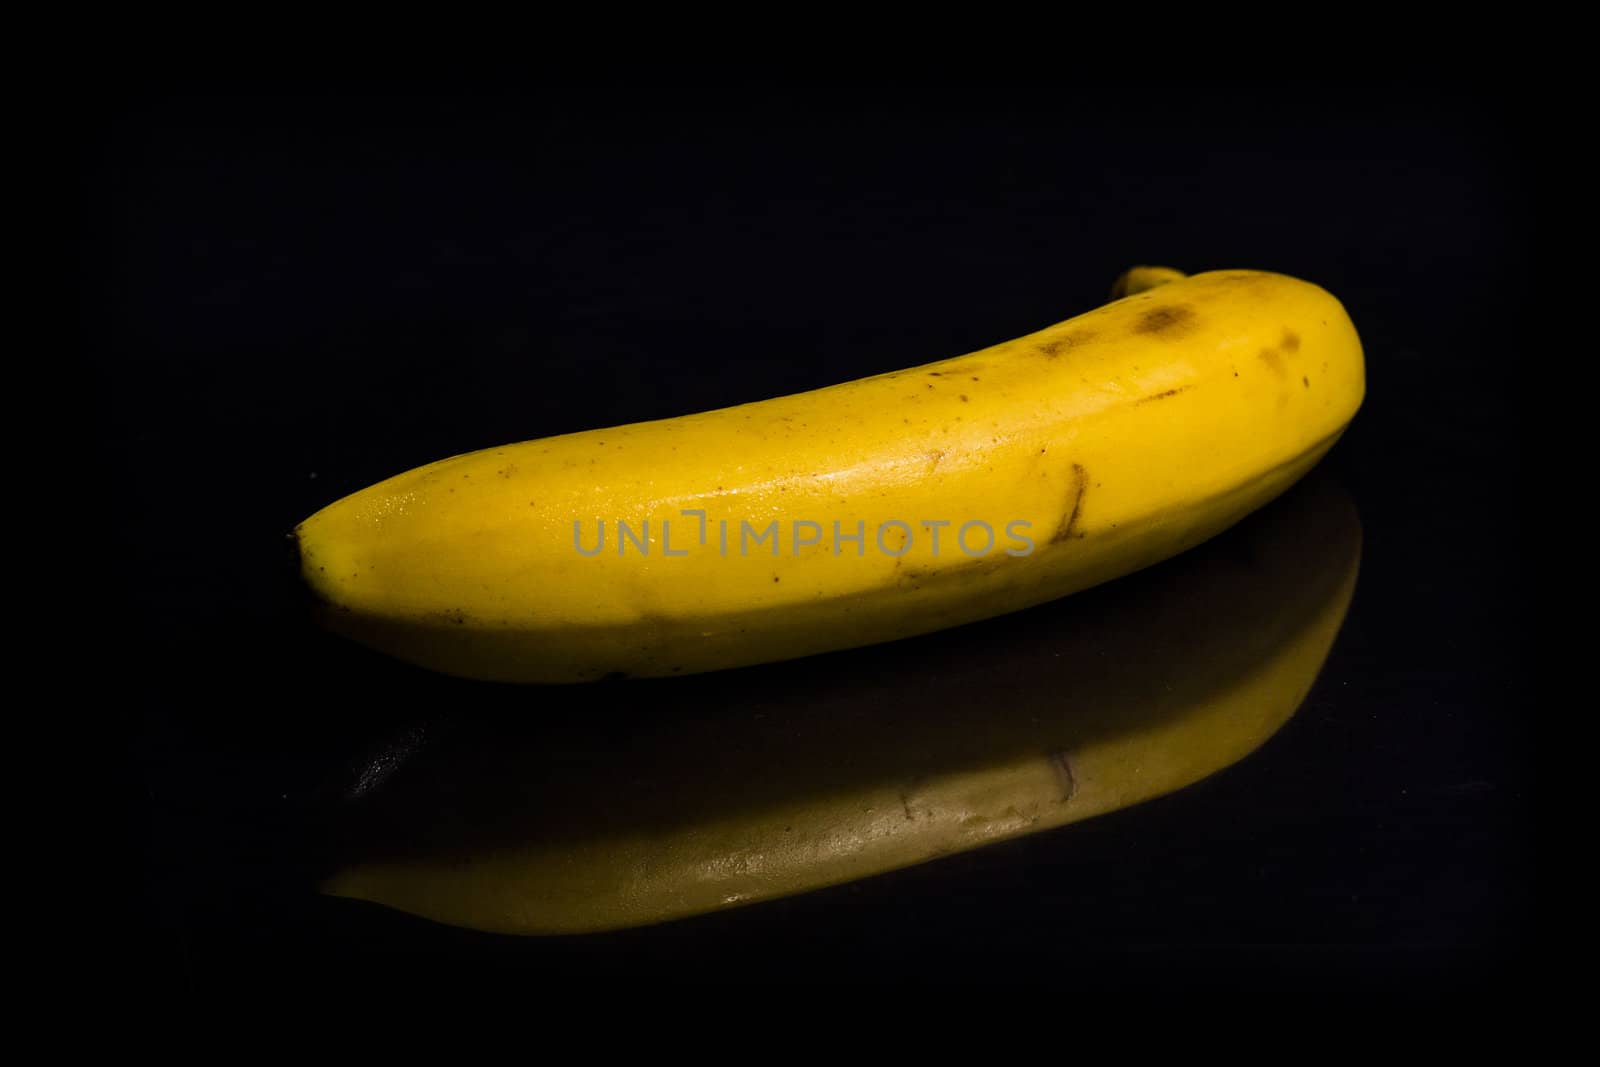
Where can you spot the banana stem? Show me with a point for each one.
(1138, 279)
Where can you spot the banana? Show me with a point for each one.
(865, 512)
(745, 786)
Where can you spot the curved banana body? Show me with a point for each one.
(749, 785)
(860, 513)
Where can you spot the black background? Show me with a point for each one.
(290, 294)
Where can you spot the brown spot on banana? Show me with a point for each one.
(970, 566)
(1168, 321)
(1058, 345)
(1068, 527)
(1062, 765)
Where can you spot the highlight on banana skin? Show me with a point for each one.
(1001, 558)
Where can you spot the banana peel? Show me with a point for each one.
(865, 512)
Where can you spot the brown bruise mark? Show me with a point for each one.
(1305, 381)
(1068, 527)
(970, 565)
(1168, 320)
(1272, 359)
(1062, 765)
(1161, 396)
(1290, 342)
(1056, 346)
(933, 460)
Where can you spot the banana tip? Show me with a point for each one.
(294, 572)
(1138, 279)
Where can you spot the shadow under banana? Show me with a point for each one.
(682, 796)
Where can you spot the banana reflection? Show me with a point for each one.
(715, 790)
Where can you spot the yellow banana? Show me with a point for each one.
(860, 513)
(749, 785)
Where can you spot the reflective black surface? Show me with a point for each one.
(288, 297)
